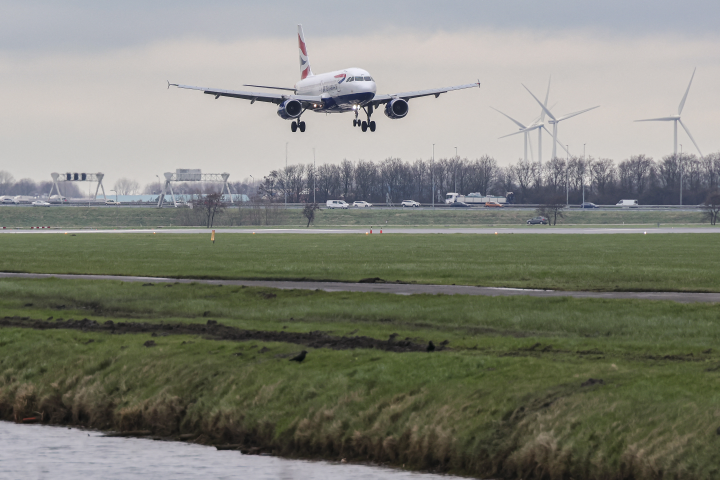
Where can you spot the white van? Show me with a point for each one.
(337, 204)
(627, 203)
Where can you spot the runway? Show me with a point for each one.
(397, 288)
(534, 230)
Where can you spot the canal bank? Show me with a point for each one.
(516, 387)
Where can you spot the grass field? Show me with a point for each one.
(677, 262)
(101, 216)
(505, 400)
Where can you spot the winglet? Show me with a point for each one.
(171, 84)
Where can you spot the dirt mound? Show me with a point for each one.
(217, 331)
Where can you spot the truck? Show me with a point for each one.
(478, 199)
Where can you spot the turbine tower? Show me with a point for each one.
(676, 119)
(555, 120)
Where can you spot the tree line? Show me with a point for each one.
(603, 181)
(651, 182)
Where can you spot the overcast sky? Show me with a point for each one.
(83, 83)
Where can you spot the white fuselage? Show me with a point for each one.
(341, 91)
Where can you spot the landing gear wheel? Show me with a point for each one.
(302, 126)
(293, 127)
(364, 126)
(354, 123)
(372, 126)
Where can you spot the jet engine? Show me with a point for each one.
(396, 108)
(289, 109)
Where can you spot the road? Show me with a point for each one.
(537, 229)
(398, 288)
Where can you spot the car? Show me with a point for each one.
(361, 204)
(493, 205)
(627, 203)
(40, 203)
(459, 204)
(110, 201)
(409, 203)
(588, 205)
(336, 204)
(538, 221)
(9, 200)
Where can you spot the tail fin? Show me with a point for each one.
(305, 70)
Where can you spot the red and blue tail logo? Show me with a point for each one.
(342, 78)
(305, 70)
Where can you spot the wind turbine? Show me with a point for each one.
(538, 124)
(676, 119)
(555, 120)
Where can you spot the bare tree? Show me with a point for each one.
(365, 173)
(603, 174)
(553, 208)
(211, 205)
(640, 167)
(711, 207)
(6, 181)
(524, 174)
(309, 212)
(126, 186)
(347, 171)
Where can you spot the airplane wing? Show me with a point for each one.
(307, 100)
(380, 99)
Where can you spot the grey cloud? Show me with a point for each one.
(83, 25)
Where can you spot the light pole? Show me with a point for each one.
(583, 178)
(433, 177)
(285, 182)
(681, 172)
(252, 185)
(314, 175)
(567, 183)
(456, 160)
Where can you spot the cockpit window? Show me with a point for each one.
(368, 79)
(350, 79)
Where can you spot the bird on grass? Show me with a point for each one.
(299, 358)
(431, 346)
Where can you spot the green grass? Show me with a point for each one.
(496, 404)
(102, 216)
(671, 262)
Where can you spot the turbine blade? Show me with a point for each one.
(682, 102)
(663, 119)
(691, 137)
(558, 140)
(509, 117)
(511, 134)
(574, 114)
(547, 95)
(541, 118)
(545, 109)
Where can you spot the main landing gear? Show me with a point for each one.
(295, 125)
(365, 125)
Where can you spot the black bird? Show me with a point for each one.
(300, 357)
(431, 346)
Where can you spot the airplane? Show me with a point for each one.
(349, 90)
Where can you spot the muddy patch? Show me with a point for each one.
(216, 331)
